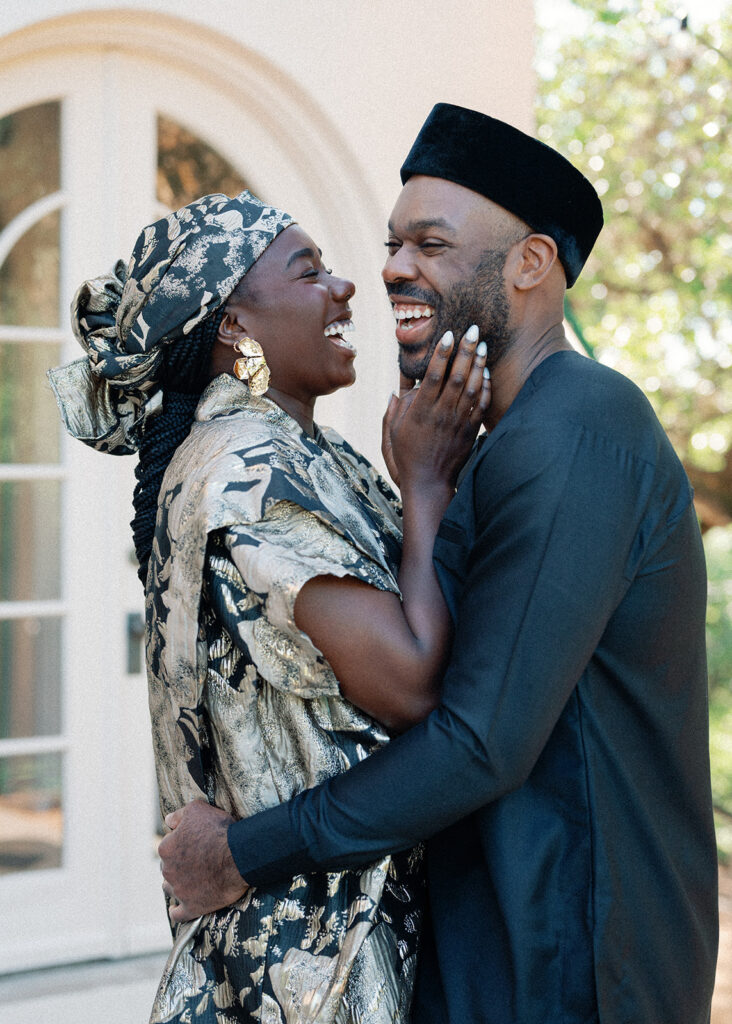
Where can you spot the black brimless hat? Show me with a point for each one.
(519, 173)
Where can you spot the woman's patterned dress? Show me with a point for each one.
(246, 712)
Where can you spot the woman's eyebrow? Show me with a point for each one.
(303, 254)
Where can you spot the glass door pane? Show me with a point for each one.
(29, 157)
(30, 552)
(31, 819)
(29, 427)
(30, 662)
(188, 167)
(31, 482)
(30, 171)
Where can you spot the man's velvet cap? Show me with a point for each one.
(519, 173)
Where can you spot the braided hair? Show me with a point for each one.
(184, 375)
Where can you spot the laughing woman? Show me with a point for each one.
(205, 355)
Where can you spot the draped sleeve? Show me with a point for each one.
(272, 559)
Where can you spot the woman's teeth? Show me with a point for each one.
(337, 330)
(413, 313)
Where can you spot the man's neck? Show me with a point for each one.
(528, 348)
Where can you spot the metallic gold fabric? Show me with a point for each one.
(246, 712)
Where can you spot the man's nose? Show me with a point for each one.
(399, 266)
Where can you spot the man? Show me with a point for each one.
(563, 783)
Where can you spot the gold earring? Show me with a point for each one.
(252, 367)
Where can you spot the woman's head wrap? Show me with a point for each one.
(182, 269)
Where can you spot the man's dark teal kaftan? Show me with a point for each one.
(564, 780)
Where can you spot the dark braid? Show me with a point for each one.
(184, 375)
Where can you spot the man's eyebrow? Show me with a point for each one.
(414, 226)
(303, 254)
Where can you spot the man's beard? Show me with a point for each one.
(481, 300)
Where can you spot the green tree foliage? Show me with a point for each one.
(637, 94)
(639, 99)
(719, 611)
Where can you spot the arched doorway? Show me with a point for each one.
(100, 135)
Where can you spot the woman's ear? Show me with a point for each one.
(231, 329)
(232, 326)
(536, 256)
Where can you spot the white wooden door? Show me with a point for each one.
(88, 154)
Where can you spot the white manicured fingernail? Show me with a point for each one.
(481, 349)
(486, 373)
(472, 333)
(447, 339)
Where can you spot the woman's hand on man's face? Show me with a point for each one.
(428, 432)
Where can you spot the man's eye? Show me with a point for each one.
(432, 244)
(392, 246)
(311, 273)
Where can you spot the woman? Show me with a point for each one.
(278, 645)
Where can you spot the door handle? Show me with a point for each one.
(135, 636)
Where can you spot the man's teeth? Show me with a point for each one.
(338, 328)
(412, 312)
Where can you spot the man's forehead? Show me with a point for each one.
(426, 203)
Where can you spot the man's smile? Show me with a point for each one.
(412, 319)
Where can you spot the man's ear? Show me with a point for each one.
(536, 256)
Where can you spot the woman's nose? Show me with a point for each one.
(342, 289)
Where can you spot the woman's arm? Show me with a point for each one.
(389, 655)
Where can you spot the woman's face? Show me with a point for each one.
(298, 312)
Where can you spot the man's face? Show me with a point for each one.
(447, 249)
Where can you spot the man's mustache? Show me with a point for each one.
(409, 291)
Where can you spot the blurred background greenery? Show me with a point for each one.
(637, 93)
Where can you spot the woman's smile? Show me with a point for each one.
(336, 330)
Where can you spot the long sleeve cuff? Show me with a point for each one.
(267, 849)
